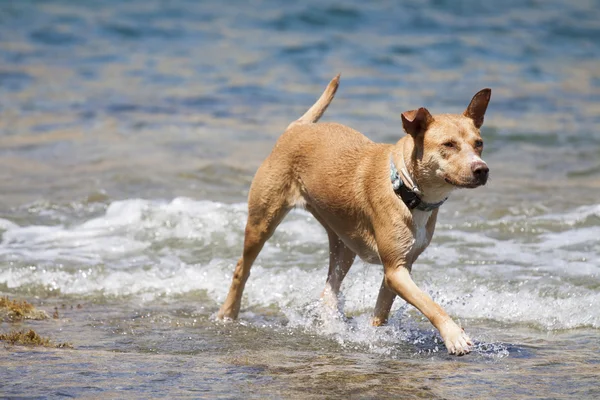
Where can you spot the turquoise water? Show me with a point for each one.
(129, 135)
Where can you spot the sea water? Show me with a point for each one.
(129, 135)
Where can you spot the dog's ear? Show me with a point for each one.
(477, 107)
(415, 122)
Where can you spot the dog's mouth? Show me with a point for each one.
(472, 184)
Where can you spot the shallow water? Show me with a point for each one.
(129, 135)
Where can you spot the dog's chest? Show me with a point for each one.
(420, 219)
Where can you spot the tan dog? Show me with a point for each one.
(353, 188)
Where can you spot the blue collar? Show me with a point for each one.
(409, 195)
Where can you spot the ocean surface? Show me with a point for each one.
(130, 133)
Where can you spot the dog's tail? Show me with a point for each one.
(316, 111)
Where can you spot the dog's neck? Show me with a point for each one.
(432, 189)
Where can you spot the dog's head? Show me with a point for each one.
(448, 147)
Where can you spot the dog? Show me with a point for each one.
(377, 201)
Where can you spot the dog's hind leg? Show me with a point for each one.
(341, 259)
(258, 230)
(267, 206)
(385, 300)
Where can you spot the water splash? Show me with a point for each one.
(149, 248)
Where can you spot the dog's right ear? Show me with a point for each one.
(415, 122)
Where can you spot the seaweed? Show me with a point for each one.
(13, 310)
(30, 338)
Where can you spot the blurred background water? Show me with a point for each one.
(129, 135)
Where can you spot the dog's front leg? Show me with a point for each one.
(398, 279)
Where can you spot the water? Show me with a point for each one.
(129, 135)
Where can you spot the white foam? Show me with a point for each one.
(148, 248)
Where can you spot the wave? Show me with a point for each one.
(547, 279)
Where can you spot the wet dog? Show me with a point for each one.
(377, 201)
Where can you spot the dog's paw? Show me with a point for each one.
(226, 314)
(456, 340)
(378, 321)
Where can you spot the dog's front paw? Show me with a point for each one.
(456, 340)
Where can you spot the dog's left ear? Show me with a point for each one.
(416, 121)
(477, 107)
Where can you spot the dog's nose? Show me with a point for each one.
(480, 171)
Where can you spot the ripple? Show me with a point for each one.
(14, 80)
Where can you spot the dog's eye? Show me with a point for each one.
(449, 145)
(478, 144)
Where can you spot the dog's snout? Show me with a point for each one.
(480, 171)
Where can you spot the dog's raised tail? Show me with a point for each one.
(318, 109)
